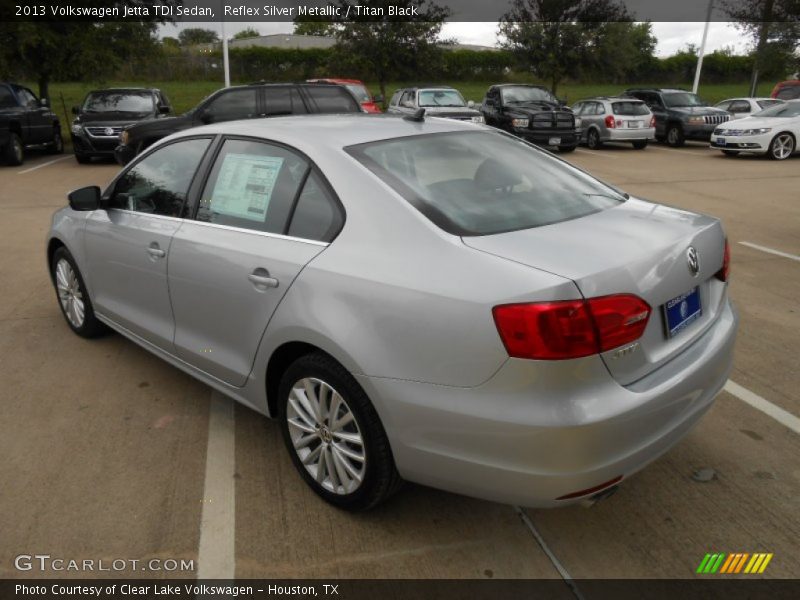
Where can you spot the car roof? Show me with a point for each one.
(417, 88)
(334, 80)
(749, 98)
(313, 133)
(123, 89)
(611, 99)
(670, 90)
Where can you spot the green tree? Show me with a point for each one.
(245, 34)
(322, 27)
(774, 28)
(196, 35)
(555, 39)
(619, 52)
(391, 47)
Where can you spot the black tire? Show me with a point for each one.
(566, 149)
(675, 136)
(380, 478)
(730, 152)
(14, 152)
(593, 139)
(785, 138)
(640, 145)
(90, 327)
(57, 145)
(83, 159)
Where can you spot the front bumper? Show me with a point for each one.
(744, 143)
(84, 143)
(541, 137)
(537, 431)
(699, 132)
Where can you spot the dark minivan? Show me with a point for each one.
(99, 121)
(252, 101)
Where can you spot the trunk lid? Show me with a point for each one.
(636, 248)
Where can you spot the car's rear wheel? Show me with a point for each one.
(675, 136)
(593, 140)
(730, 152)
(57, 145)
(781, 147)
(14, 150)
(334, 436)
(640, 145)
(73, 297)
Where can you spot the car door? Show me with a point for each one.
(128, 243)
(659, 111)
(231, 266)
(230, 105)
(38, 122)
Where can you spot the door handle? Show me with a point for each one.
(156, 252)
(261, 279)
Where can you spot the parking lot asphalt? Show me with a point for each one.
(105, 446)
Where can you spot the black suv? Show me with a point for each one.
(99, 121)
(680, 114)
(26, 121)
(252, 101)
(533, 113)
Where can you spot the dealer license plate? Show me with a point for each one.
(720, 141)
(682, 311)
(554, 141)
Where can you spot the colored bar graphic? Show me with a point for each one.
(734, 563)
(703, 563)
(764, 564)
(718, 562)
(727, 564)
(740, 564)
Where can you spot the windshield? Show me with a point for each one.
(359, 91)
(481, 183)
(135, 102)
(441, 98)
(681, 99)
(628, 108)
(789, 109)
(518, 94)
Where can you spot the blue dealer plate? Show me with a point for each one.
(682, 311)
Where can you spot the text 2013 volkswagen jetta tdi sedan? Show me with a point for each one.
(425, 300)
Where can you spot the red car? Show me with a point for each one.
(358, 89)
(786, 90)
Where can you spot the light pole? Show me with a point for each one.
(225, 63)
(702, 48)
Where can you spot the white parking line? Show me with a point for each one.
(546, 549)
(216, 556)
(599, 153)
(771, 251)
(691, 150)
(765, 406)
(51, 162)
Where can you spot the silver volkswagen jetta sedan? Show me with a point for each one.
(418, 299)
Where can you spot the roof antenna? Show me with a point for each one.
(417, 117)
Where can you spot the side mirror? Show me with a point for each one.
(85, 198)
(470, 104)
(378, 99)
(164, 109)
(76, 109)
(44, 102)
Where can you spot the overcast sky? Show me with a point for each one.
(671, 36)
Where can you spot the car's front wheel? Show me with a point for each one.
(73, 297)
(781, 147)
(14, 150)
(334, 436)
(57, 145)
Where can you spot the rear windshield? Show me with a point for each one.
(118, 101)
(630, 108)
(480, 183)
(332, 99)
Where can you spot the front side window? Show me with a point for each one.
(158, 183)
(252, 185)
(27, 98)
(740, 106)
(118, 101)
(441, 98)
(481, 183)
(232, 105)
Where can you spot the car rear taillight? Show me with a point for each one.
(571, 328)
(725, 271)
(652, 121)
(610, 123)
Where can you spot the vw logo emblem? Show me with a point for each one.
(693, 260)
(108, 131)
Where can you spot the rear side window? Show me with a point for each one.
(630, 108)
(158, 183)
(317, 215)
(252, 185)
(332, 99)
(233, 104)
(767, 103)
(480, 183)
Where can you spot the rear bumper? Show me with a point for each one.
(630, 135)
(538, 431)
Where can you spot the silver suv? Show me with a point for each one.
(615, 120)
(440, 101)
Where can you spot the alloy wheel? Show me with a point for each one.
(592, 139)
(326, 436)
(69, 293)
(782, 146)
(18, 151)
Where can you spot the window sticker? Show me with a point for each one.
(244, 186)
